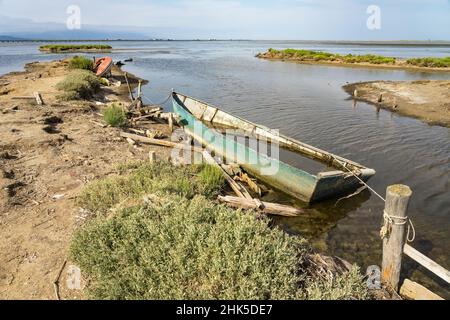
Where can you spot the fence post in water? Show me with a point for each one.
(393, 232)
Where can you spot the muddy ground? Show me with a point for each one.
(427, 100)
(47, 154)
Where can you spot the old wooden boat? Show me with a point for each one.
(103, 66)
(199, 119)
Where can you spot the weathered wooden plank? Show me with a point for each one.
(266, 207)
(38, 98)
(237, 188)
(414, 291)
(129, 87)
(250, 182)
(171, 122)
(163, 143)
(426, 262)
(397, 198)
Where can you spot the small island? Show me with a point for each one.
(367, 60)
(70, 48)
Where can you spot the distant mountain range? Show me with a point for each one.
(19, 29)
(72, 35)
(9, 38)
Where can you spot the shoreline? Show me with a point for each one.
(426, 100)
(359, 65)
(49, 154)
(77, 51)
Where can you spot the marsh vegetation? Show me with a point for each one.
(369, 59)
(61, 48)
(157, 233)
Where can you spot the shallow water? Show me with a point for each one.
(308, 103)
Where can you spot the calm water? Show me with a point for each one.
(309, 104)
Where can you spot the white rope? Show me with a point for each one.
(390, 220)
(160, 103)
(344, 165)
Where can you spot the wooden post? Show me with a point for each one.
(152, 156)
(38, 98)
(129, 87)
(140, 89)
(397, 198)
(171, 122)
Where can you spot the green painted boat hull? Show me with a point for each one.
(291, 180)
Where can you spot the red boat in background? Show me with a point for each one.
(103, 66)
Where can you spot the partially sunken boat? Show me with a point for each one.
(199, 119)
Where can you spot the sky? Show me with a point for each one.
(237, 19)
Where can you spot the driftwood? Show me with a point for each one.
(147, 116)
(237, 188)
(250, 182)
(163, 143)
(38, 98)
(129, 87)
(154, 134)
(426, 262)
(267, 207)
(414, 291)
(56, 282)
(232, 169)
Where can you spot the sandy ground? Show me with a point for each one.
(427, 100)
(47, 154)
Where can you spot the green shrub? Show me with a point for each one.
(165, 241)
(210, 177)
(54, 48)
(155, 178)
(81, 63)
(187, 249)
(309, 55)
(430, 62)
(348, 286)
(79, 84)
(115, 116)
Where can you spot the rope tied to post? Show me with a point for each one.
(390, 220)
(158, 103)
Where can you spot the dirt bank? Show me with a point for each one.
(425, 100)
(47, 154)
